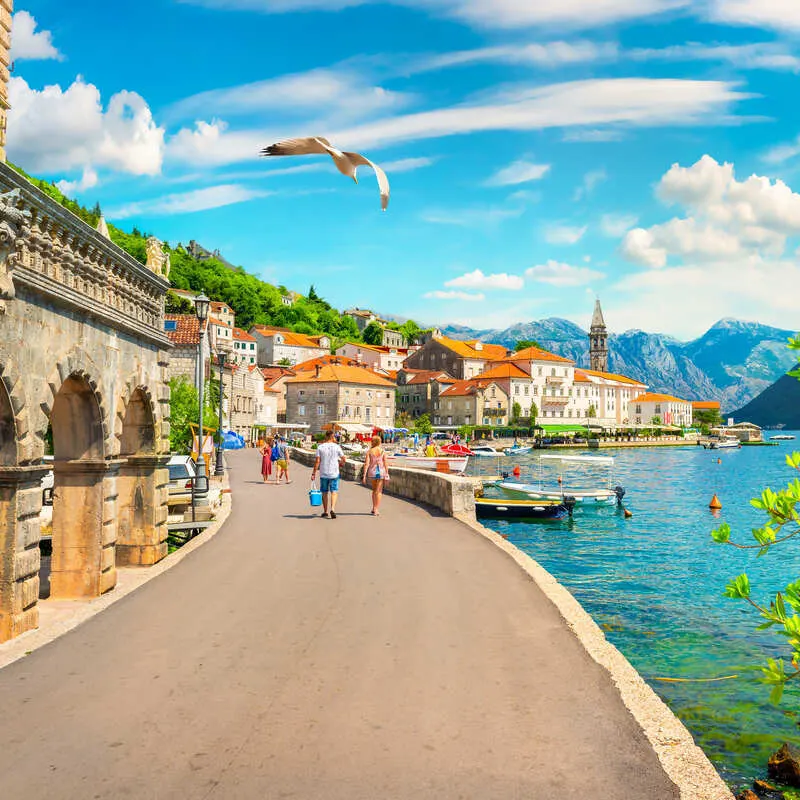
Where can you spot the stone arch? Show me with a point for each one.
(136, 409)
(16, 446)
(84, 375)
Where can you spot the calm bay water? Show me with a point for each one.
(654, 583)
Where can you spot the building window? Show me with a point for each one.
(535, 390)
(320, 410)
(301, 393)
(301, 411)
(527, 389)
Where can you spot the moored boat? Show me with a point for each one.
(583, 497)
(518, 450)
(782, 437)
(727, 443)
(456, 464)
(486, 451)
(494, 508)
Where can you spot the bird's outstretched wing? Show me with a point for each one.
(310, 145)
(383, 181)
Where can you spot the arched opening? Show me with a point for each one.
(8, 430)
(80, 565)
(142, 515)
(8, 515)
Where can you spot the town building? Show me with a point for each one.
(376, 357)
(333, 393)
(660, 409)
(275, 379)
(462, 360)
(241, 402)
(598, 340)
(419, 390)
(220, 334)
(610, 397)
(472, 402)
(183, 331)
(278, 346)
(265, 402)
(244, 348)
(706, 412)
(743, 431)
(364, 317)
(223, 312)
(290, 298)
(517, 385)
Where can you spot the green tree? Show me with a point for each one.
(423, 424)
(373, 334)
(708, 418)
(402, 419)
(592, 412)
(516, 413)
(524, 344)
(175, 304)
(655, 421)
(533, 414)
(782, 523)
(183, 412)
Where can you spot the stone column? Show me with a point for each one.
(84, 528)
(6, 7)
(20, 505)
(142, 511)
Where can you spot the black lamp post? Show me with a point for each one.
(201, 306)
(219, 469)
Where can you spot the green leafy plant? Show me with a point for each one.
(423, 424)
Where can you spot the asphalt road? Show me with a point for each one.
(296, 657)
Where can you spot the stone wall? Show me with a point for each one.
(451, 494)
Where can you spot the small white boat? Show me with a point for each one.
(485, 451)
(518, 450)
(582, 496)
(728, 443)
(782, 437)
(457, 464)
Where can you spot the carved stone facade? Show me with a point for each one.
(83, 354)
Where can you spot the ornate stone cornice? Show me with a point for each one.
(56, 254)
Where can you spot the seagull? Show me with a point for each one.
(346, 163)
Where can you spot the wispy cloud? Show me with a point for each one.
(564, 234)
(477, 280)
(187, 202)
(470, 217)
(760, 55)
(590, 180)
(518, 172)
(782, 152)
(438, 294)
(616, 225)
(778, 14)
(558, 274)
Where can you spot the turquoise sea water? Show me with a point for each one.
(654, 583)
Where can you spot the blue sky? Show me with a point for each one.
(540, 153)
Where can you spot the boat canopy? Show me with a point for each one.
(350, 427)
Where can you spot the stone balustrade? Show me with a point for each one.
(452, 494)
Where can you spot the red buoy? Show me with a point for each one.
(517, 471)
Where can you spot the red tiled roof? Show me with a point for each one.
(503, 370)
(339, 373)
(216, 305)
(242, 336)
(290, 338)
(215, 321)
(649, 397)
(537, 354)
(488, 352)
(611, 376)
(420, 376)
(465, 388)
(706, 405)
(187, 329)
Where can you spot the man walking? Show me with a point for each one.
(330, 459)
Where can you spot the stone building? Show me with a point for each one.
(242, 402)
(462, 360)
(338, 393)
(275, 379)
(364, 317)
(418, 391)
(473, 402)
(265, 402)
(376, 357)
(183, 331)
(278, 346)
(652, 408)
(244, 348)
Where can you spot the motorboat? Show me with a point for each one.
(486, 451)
(518, 450)
(454, 464)
(782, 437)
(456, 450)
(579, 477)
(725, 443)
(503, 508)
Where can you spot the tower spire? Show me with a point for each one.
(598, 340)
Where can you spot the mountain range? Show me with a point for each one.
(733, 361)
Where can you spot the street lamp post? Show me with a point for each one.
(219, 470)
(201, 305)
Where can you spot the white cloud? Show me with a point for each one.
(477, 280)
(779, 14)
(590, 180)
(187, 202)
(407, 164)
(564, 234)
(211, 144)
(593, 135)
(558, 274)
(55, 130)
(518, 172)
(470, 217)
(88, 180)
(465, 296)
(760, 55)
(615, 225)
(340, 92)
(484, 13)
(28, 43)
(782, 152)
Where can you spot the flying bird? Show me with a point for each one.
(346, 163)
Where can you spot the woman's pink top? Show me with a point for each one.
(377, 460)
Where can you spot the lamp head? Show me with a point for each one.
(201, 306)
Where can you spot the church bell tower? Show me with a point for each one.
(598, 340)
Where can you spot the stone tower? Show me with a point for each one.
(6, 7)
(598, 340)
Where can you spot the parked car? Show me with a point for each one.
(48, 482)
(182, 473)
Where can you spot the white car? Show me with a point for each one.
(182, 472)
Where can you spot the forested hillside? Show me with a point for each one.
(255, 302)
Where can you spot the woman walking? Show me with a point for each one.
(266, 460)
(377, 470)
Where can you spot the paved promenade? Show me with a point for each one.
(348, 659)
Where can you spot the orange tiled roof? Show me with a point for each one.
(274, 374)
(311, 363)
(504, 370)
(424, 375)
(339, 373)
(187, 329)
(650, 397)
(537, 354)
(242, 336)
(611, 376)
(216, 305)
(706, 405)
(581, 377)
(290, 338)
(488, 352)
(215, 321)
(465, 388)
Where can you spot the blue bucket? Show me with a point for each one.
(315, 497)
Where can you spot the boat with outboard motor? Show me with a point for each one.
(504, 508)
(518, 450)
(576, 468)
(725, 443)
(455, 464)
(485, 451)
